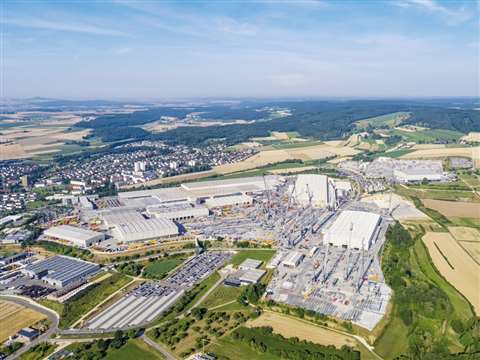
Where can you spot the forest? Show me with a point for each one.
(316, 119)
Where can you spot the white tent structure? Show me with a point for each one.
(354, 229)
(317, 190)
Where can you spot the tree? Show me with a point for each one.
(198, 313)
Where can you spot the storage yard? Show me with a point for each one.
(146, 302)
(400, 171)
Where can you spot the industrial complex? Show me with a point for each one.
(327, 244)
(399, 171)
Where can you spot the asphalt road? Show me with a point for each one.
(51, 315)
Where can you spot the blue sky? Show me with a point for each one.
(177, 49)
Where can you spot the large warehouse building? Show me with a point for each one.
(130, 225)
(203, 190)
(177, 211)
(319, 188)
(232, 200)
(356, 229)
(408, 175)
(76, 236)
(61, 271)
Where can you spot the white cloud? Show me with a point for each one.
(453, 15)
(77, 27)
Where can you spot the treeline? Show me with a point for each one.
(100, 349)
(263, 340)
(142, 117)
(317, 119)
(444, 118)
(65, 250)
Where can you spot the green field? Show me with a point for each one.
(468, 222)
(431, 193)
(390, 120)
(234, 306)
(222, 295)
(295, 144)
(263, 255)
(260, 343)
(425, 304)
(203, 287)
(230, 349)
(428, 136)
(470, 180)
(134, 349)
(38, 352)
(159, 268)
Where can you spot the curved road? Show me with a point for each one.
(51, 315)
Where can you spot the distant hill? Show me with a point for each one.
(310, 118)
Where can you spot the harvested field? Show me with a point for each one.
(290, 327)
(472, 137)
(454, 208)
(27, 141)
(473, 249)
(292, 170)
(304, 153)
(338, 160)
(14, 317)
(462, 233)
(280, 135)
(336, 143)
(12, 151)
(428, 146)
(455, 265)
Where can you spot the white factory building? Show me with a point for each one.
(200, 191)
(413, 174)
(356, 229)
(224, 201)
(177, 211)
(318, 189)
(130, 226)
(293, 259)
(76, 236)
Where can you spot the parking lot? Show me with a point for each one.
(146, 302)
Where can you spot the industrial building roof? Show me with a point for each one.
(313, 186)
(145, 229)
(250, 264)
(228, 200)
(62, 268)
(71, 233)
(115, 217)
(251, 275)
(354, 227)
(256, 183)
(177, 210)
(204, 189)
(292, 258)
